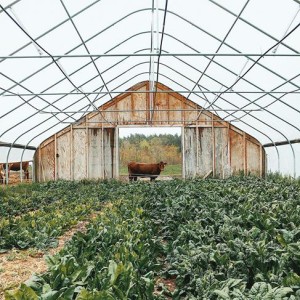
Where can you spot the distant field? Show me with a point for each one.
(170, 170)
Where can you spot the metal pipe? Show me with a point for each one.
(219, 47)
(51, 29)
(17, 146)
(85, 46)
(148, 92)
(190, 47)
(150, 54)
(10, 5)
(50, 55)
(281, 143)
(147, 110)
(252, 25)
(225, 100)
(190, 23)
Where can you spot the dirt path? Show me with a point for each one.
(16, 266)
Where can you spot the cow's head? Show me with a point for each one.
(161, 165)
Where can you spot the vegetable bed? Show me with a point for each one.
(35, 215)
(211, 239)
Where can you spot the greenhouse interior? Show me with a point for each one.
(191, 96)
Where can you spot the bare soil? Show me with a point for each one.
(15, 179)
(16, 266)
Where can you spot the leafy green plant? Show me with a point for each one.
(213, 239)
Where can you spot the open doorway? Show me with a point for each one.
(151, 145)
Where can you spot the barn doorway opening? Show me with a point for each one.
(151, 145)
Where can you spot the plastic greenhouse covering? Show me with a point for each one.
(61, 59)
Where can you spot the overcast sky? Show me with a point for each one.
(192, 26)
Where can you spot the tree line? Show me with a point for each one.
(151, 148)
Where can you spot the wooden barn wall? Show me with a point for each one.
(37, 165)
(89, 149)
(221, 162)
(189, 152)
(161, 104)
(109, 146)
(46, 158)
(237, 151)
(101, 153)
(253, 161)
(139, 103)
(205, 151)
(79, 154)
(63, 156)
(174, 114)
(220, 150)
(95, 155)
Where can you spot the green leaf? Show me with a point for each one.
(281, 240)
(281, 292)
(51, 295)
(95, 295)
(23, 293)
(222, 294)
(67, 294)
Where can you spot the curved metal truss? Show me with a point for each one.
(60, 60)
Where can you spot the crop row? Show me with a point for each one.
(115, 259)
(211, 239)
(34, 216)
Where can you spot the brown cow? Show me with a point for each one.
(2, 174)
(15, 166)
(136, 170)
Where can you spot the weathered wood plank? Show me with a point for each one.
(63, 156)
(79, 154)
(48, 162)
(236, 151)
(222, 167)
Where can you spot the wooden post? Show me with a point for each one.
(40, 161)
(71, 154)
(117, 154)
(102, 152)
(21, 171)
(55, 158)
(213, 145)
(33, 171)
(228, 148)
(183, 150)
(86, 149)
(197, 148)
(245, 152)
(260, 161)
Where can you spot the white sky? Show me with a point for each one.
(192, 26)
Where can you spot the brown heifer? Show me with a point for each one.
(2, 174)
(15, 166)
(136, 170)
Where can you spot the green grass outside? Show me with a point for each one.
(170, 170)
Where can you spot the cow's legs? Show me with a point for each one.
(135, 178)
(130, 178)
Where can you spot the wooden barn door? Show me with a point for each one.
(205, 151)
(197, 151)
(102, 153)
